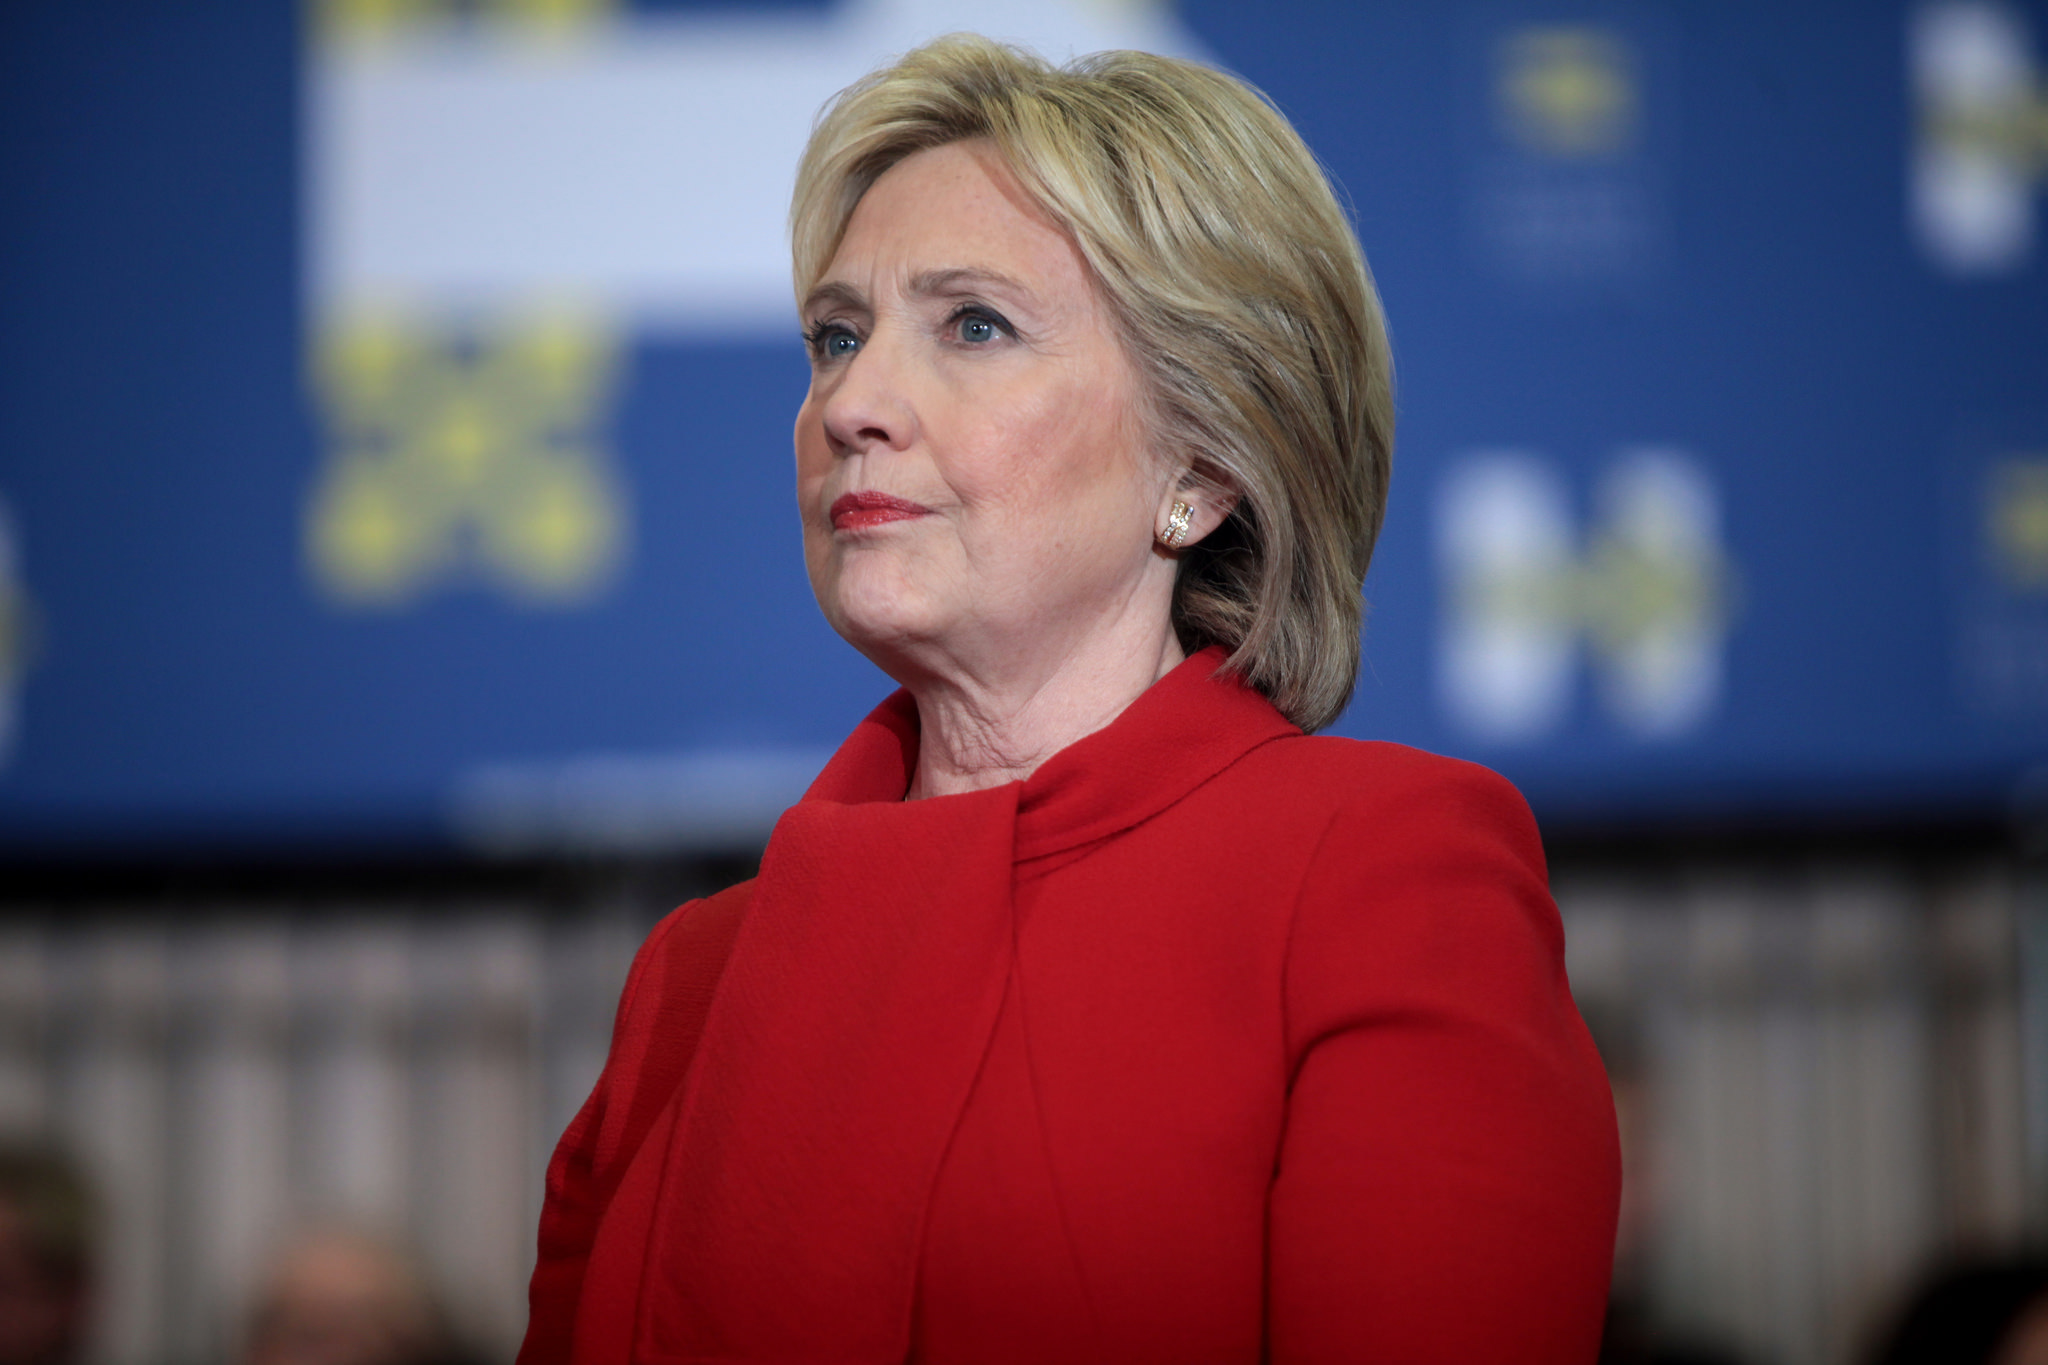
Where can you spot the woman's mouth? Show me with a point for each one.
(858, 511)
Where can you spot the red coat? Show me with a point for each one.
(1209, 1042)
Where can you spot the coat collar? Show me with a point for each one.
(851, 1020)
(1180, 732)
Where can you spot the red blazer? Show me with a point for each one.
(1209, 1042)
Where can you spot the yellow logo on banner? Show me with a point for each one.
(1633, 588)
(2017, 520)
(464, 455)
(1650, 597)
(1628, 589)
(1981, 154)
(2006, 127)
(368, 20)
(1569, 92)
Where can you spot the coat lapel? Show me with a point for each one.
(846, 1036)
(777, 1212)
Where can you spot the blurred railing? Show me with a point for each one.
(229, 1079)
(1825, 1066)
(1821, 1067)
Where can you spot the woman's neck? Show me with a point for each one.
(976, 732)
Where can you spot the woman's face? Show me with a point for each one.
(971, 466)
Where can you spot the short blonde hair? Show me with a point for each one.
(1241, 292)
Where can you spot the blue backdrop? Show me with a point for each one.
(1721, 481)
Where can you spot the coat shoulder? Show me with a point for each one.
(662, 1010)
(693, 939)
(1336, 775)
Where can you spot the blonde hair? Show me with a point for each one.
(1243, 299)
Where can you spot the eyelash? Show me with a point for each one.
(979, 313)
(818, 335)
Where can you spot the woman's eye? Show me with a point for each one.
(977, 328)
(831, 341)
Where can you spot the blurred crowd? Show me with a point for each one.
(1969, 1309)
(333, 1296)
(342, 1296)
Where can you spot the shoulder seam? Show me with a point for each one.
(1287, 1064)
(644, 959)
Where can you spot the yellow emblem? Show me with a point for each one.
(1981, 153)
(1569, 92)
(1650, 597)
(356, 21)
(1636, 587)
(2016, 521)
(465, 456)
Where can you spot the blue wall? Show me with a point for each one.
(1611, 239)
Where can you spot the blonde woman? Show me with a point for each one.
(1089, 1008)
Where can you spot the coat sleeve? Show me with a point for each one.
(579, 1180)
(1449, 1172)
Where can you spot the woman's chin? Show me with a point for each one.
(878, 623)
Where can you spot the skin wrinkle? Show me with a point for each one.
(1033, 605)
(959, 283)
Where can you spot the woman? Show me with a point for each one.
(1086, 1009)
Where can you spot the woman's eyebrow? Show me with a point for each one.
(836, 293)
(966, 280)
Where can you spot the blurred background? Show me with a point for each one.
(401, 606)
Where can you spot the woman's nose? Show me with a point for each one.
(869, 405)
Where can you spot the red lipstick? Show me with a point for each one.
(858, 511)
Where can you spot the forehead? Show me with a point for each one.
(958, 207)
